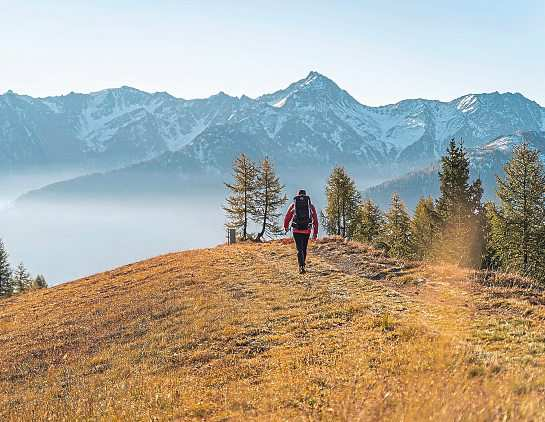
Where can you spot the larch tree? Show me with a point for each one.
(21, 279)
(460, 208)
(39, 282)
(268, 202)
(425, 226)
(370, 222)
(491, 257)
(518, 231)
(343, 203)
(6, 287)
(242, 193)
(397, 233)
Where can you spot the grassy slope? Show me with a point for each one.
(234, 332)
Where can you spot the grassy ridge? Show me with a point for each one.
(236, 333)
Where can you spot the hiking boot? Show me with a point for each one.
(301, 270)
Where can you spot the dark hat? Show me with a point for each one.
(302, 192)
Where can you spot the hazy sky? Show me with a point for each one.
(380, 51)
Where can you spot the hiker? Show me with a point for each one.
(301, 216)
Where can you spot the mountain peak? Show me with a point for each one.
(316, 79)
(314, 75)
(497, 101)
(221, 96)
(116, 92)
(314, 87)
(129, 89)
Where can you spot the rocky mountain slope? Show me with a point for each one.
(312, 120)
(101, 130)
(235, 333)
(487, 162)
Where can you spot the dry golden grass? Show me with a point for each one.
(234, 333)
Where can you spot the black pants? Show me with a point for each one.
(301, 242)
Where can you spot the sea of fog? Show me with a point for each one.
(65, 242)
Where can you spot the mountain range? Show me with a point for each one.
(486, 162)
(137, 139)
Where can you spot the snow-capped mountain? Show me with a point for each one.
(104, 129)
(162, 143)
(312, 120)
(487, 162)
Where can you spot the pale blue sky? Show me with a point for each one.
(380, 51)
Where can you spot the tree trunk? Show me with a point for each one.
(525, 223)
(265, 213)
(245, 226)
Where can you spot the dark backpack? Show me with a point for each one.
(302, 219)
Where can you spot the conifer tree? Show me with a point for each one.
(460, 209)
(39, 282)
(241, 201)
(397, 233)
(5, 272)
(21, 279)
(454, 182)
(268, 201)
(518, 231)
(343, 202)
(370, 222)
(491, 257)
(425, 226)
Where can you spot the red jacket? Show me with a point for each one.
(289, 217)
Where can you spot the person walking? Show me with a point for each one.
(302, 219)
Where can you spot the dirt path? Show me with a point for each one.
(440, 295)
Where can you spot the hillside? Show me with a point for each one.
(234, 333)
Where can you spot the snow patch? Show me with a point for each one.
(468, 104)
(53, 107)
(308, 81)
(504, 143)
(280, 103)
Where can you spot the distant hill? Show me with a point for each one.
(234, 333)
(487, 162)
